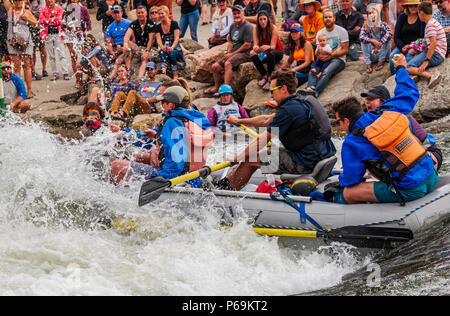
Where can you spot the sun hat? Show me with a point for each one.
(411, 2)
(302, 4)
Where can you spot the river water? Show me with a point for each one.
(55, 238)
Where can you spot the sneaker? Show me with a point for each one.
(416, 79)
(434, 80)
(66, 77)
(55, 77)
(44, 73)
(37, 77)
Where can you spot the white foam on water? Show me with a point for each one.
(49, 195)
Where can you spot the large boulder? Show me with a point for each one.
(151, 120)
(433, 103)
(191, 45)
(202, 62)
(204, 104)
(241, 77)
(254, 96)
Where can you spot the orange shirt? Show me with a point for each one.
(313, 25)
(299, 55)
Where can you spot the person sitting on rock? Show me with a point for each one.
(123, 84)
(375, 37)
(404, 175)
(15, 92)
(436, 50)
(222, 20)
(140, 101)
(352, 21)
(137, 38)
(338, 40)
(299, 51)
(94, 62)
(301, 124)
(240, 41)
(313, 21)
(168, 36)
(170, 155)
(267, 48)
(115, 38)
(226, 105)
(254, 7)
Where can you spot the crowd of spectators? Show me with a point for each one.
(321, 36)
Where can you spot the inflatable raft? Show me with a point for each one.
(291, 216)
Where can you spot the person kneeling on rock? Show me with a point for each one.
(14, 90)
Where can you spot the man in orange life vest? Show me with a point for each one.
(381, 141)
(181, 141)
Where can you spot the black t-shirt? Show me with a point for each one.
(186, 7)
(142, 35)
(410, 32)
(167, 39)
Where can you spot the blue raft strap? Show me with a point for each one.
(301, 208)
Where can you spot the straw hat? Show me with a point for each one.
(302, 3)
(411, 2)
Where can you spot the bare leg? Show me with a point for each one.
(119, 169)
(360, 193)
(228, 73)
(240, 175)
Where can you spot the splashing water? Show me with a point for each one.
(54, 202)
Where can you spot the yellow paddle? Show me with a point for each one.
(252, 133)
(152, 189)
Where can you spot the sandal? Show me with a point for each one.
(369, 69)
(210, 91)
(216, 95)
(262, 82)
(380, 66)
(266, 86)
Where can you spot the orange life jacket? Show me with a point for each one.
(390, 133)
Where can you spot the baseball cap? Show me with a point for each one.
(237, 7)
(176, 95)
(117, 8)
(6, 64)
(377, 92)
(150, 64)
(296, 27)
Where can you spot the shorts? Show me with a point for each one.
(138, 169)
(386, 194)
(284, 165)
(236, 60)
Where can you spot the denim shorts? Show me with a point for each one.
(386, 194)
(418, 60)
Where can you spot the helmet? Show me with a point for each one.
(304, 185)
(225, 89)
(176, 95)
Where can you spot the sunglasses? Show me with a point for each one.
(274, 88)
(154, 12)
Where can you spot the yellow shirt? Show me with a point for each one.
(313, 25)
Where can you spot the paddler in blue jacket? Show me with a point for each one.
(173, 151)
(411, 177)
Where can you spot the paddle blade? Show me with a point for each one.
(370, 237)
(152, 189)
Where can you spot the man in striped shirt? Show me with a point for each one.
(437, 47)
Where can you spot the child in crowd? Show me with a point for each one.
(417, 46)
(322, 50)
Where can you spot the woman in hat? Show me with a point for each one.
(407, 29)
(301, 51)
(313, 21)
(267, 48)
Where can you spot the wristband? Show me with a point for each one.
(12, 105)
(427, 59)
(400, 67)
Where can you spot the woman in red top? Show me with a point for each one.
(267, 48)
